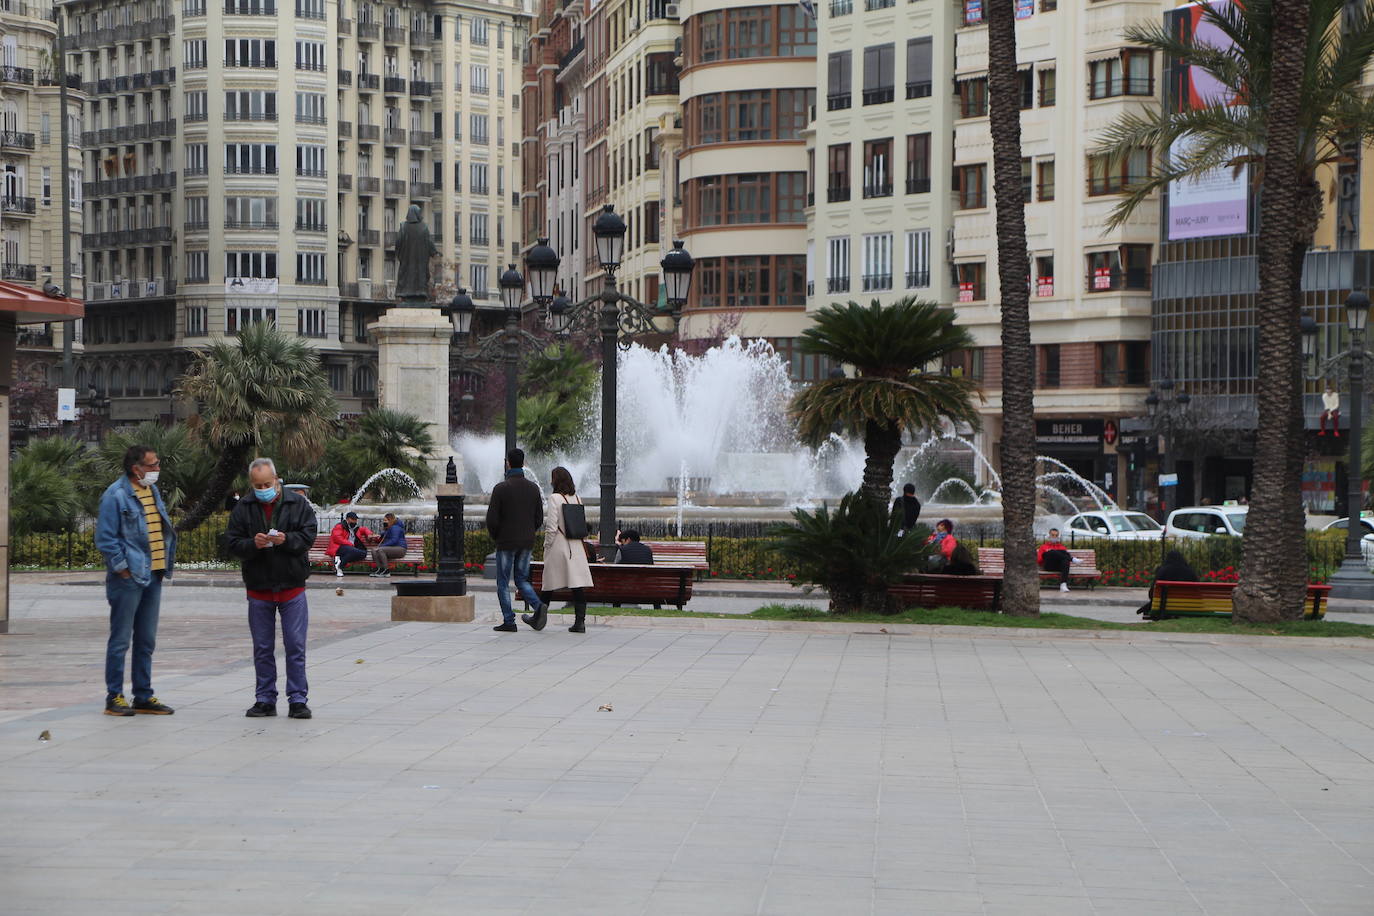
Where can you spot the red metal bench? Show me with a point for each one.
(983, 592)
(411, 562)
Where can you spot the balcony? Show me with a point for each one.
(918, 185)
(346, 129)
(389, 240)
(235, 223)
(197, 225)
(18, 205)
(836, 195)
(1134, 278)
(394, 85)
(195, 171)
(250, 9)
(394, 136)
(25, 273)
(310, 173)
(421, 89)
(345, 181)
(250, 170)
(394, 187)
(421, 190)
(250, 116)
(838, 102)
(368, 185)
(345, 26)
(121, 84)
(317, 120)
(875, 282)
(570, 55)
(369, 81)
(837, 285)
(420, 39)
(307, 226)
(14, 139)
(368, 31)
(369, 132)
(421, 138)
(394, 35)
(841, 7)
(305, 12)
(251, 63)
(73, 81)
(1122, 85)
(917, 279)
(878, 96)
(918, 90)
(21, 75)
(369, 238)
(345, 77)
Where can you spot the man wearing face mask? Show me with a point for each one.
(271, 531)
(137, 540)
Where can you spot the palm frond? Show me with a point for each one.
(920, 401)
(888, 341)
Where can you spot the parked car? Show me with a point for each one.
(1366, 542)
(1113, 524)
(1204, 521)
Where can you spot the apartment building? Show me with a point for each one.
(748, 82)
(1090, 286)
(881, 147)
(252, 162)
(31, 129)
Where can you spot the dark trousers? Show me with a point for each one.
(1057, 561)
(349, 554)
(262, 622)
(133, 619)
(383, 556)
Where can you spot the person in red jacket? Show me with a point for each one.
(950, 557)
(348, 543)
(1053, 556)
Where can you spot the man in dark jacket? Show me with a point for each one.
(514, 514)
(907, 507)
(632, 550)
(271, 531)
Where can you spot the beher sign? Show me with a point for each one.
(1068, 432)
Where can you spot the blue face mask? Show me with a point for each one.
(265, 495)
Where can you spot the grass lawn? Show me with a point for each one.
(953, 616)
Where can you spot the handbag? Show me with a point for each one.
(574, 521)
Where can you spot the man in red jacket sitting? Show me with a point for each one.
(1053, 556)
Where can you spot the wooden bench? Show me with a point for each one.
(680, 553)
(411, 562)
(981, 592)
(626, 583)
(1085, 571)
(1213, 599)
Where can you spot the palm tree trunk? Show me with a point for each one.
(1273, 579)
(882, 442)
(229, 466)
(1021, 588)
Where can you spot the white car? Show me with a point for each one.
(1366, 542)
(1113, 524)
(1205, 521)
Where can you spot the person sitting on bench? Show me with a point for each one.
(1054, 557)
(392, 546)
(631, 550)
(951, 558)
(1173, 569)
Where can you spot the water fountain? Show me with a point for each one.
(394, 474)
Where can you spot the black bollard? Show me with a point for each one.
(452, 579)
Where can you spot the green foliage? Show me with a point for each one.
(854, 553)
(556, 392)
(383, 438)
(43, 496)
(186, 464)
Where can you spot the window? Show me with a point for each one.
(250, 213)
(1025, 87)
(972, 280)
(250, 52)
(660, 75)
(749, 115)
(973, 97)
(310, 108)
(970, 182)
(250, 158)
(255, 264)
(310, 161)
(757, 197)
(878, 76)
(837, 175)
(1126, 267)
(310, 214)
(478, 125)
(877, 261)
(338, 376)
(1026, 182)
(478, 182)
(478, 83)
(1044, 180)
(196, 105)
(47, 186)
(1047, 366)
(197, 316)
(197, 212)
(918, 163)
(250, 8)
(1047, 88)
(973, 12)
(1131, 72)
(236, 319)
(878, 168)
(477, 227)
(837, 265)
(256, 105)
(309, 322)
(310, 55)
(197, 266)
(1044, 277)
(1109, 176)
(478, 279)
(365, 380)
(479, 30)
(310, 9)
(193, 54)
(750, 31)
(837, 86)
(310, 272)
(918, 80)
(651, 221)
(918, 259)
(751, 280)
(1123, 363)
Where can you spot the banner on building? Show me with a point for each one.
(1102, 278)
(1025, 9)
(965, 292)
(251, 286)
(1044, 288)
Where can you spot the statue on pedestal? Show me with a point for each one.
(414, 248)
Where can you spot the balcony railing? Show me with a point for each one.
(421, 88)
(394, 84)
(310, 226)
(918, 185)
(370, 81)
(346, 129)
(838, 101)
(250, 116)
(368, 185)
(369, 132)
(394, 35)
(878, 96)
(421, 138)
(231, 222)
(918, 90)
(1121, 85)
(345, 181)
(1137, 278)
(345, 77)
(878, 190)
(369, 238)
(389, 240)
(18, 205)
(917, 279)
(306, 172)
(1123, 378)
(250, 63)
(394, 187)
(835, 195)
(394, 136)
(196, 225)
(14, 139)
(420, 39)
(310, 119)
(877, 281)
(369, 31)
(837, 285)
(345, 26)
(421, 190)
(24, 272)
(22, 75)
(1112, 184)
(250, 170)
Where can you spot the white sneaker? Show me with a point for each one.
(1063, 586)
(1075, 560)
(338, 567)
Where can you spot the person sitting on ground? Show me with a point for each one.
(951, 557)
(1054, 557)
(632, 550)
(392, 546)
(907, 507)
(1174, 569)
(347, 543)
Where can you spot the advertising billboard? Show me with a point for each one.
(1217, 202)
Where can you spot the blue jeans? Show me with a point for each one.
(262, 623)
(517, 561)
(133, 618)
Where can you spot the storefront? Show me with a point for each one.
(1079, 445)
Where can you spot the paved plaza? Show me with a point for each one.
(658, 768)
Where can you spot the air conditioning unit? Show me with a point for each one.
(670, 10)
(364, 289)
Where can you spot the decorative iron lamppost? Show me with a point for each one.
(1165, 408)
(504, 344)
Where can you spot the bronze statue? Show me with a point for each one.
(414, 248)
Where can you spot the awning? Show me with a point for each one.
(29, 305)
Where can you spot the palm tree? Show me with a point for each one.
(45, 492)
(1300, 85)
(267, 384)
(891, 390)
(186, 464)
(1021, 588)
(394, 439)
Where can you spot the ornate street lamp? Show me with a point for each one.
(463, 309)
(609, 230)
(541, 265)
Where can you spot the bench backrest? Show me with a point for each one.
(415, 545)
(1215, 597)
(610, 579)
(680, 553)
(992, 562)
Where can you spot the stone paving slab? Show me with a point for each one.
(456, 770)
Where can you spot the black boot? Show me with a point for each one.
(538, 619)
(579, 615)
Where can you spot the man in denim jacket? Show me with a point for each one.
(138, 542)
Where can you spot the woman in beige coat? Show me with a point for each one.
(565, 560)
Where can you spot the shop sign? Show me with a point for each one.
(1068, 432)
(1109, 432)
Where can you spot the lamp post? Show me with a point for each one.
(504, 344)
(1352, 580)
(1163, 407)
(618, 318)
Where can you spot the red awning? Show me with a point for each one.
(29, 305)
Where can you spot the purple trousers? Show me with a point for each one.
(262, 621)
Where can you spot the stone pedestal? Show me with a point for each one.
(412, 370)
(433, 608)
